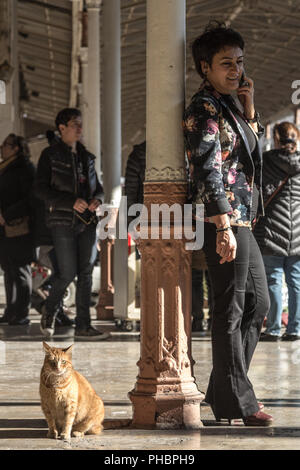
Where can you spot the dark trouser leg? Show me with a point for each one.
(18, 287)
(257, 302)
(54, 268)
(230, 392)
(209, 295)
(24, 289)
(55, 272)
(87, 253)
(9, 293)
(197, 294)
(65, 245)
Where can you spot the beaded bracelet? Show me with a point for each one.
(223, 229)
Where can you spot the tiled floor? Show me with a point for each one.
(111, 368)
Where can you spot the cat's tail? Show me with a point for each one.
(116, 423)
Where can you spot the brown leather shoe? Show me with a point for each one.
(258, 419)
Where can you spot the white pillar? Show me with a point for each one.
(93, 92)
(165, 89)
(111, 135)
(111, 101)
(84, 93)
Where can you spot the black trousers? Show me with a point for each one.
(76, 253)
(240, 304)
(198, 276)
(18, 286)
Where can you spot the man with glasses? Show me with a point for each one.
(67, 182)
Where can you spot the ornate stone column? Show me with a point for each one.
(111, 140)
(165, 395)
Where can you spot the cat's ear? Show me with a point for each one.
(69, 350)
(47, 348)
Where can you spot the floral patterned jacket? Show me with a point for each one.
(222, 169)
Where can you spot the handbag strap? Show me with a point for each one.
(277, 191)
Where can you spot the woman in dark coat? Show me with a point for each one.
(221, 135)
(16, 241)
(278, 233)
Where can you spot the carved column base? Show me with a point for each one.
(169, 408)
(165, 395)
(105, 307)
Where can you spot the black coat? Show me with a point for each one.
(16, 182)
(135, 176)
(278, 232)
(56, 182)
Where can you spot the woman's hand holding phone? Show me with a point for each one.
(245, 94)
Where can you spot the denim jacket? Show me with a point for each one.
(222, 168)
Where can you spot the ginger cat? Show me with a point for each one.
(68, 401)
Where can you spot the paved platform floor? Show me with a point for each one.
(111, 368)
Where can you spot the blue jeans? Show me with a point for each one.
(76, 254)
(275, 266)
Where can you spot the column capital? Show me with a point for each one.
(93, 4)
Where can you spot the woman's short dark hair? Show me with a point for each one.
(215, 37)
(19, 141)
(65, 115)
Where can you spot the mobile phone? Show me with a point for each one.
(243, 82)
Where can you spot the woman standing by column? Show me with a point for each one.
(16, 241)
(278, 233)
(221, 135)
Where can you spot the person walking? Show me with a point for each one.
(278, 234)
(16, 239)
(221, 129)
(67, 182)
